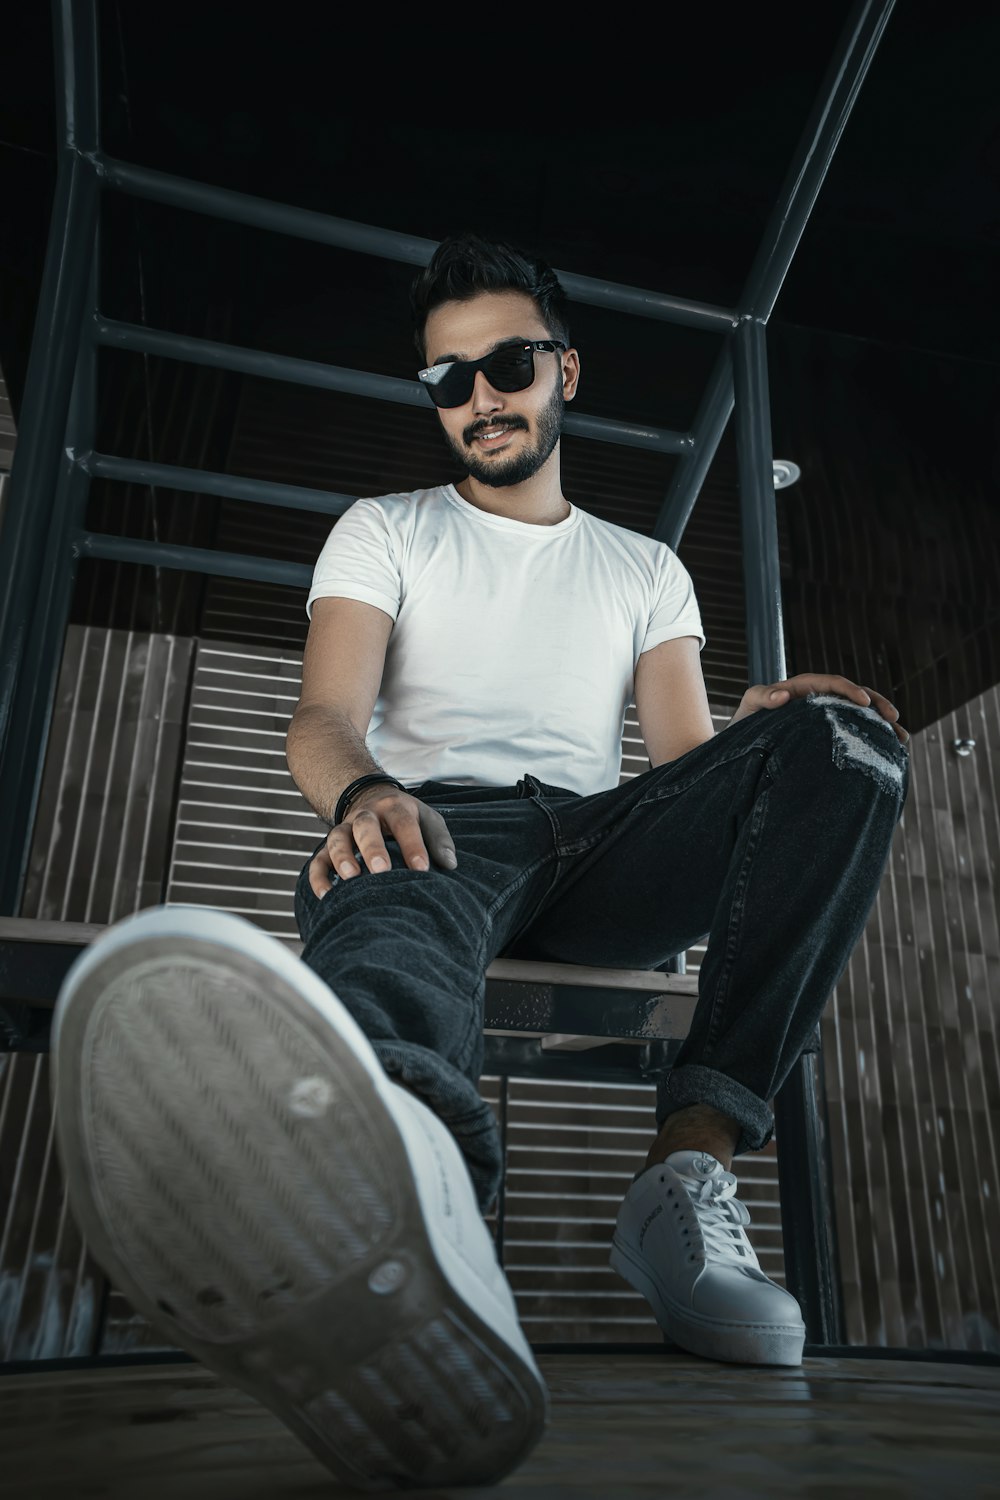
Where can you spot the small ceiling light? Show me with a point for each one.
(785, 473)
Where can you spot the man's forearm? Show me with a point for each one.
(325, 753)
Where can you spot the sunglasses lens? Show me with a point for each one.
(455, 388)
(510, 369)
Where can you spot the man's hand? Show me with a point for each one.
(774, 694)
(378, 810)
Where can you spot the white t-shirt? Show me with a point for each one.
(514, 646)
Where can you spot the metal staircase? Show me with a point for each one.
(44, 536)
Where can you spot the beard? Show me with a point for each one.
(498, 473)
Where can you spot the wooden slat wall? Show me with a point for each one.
(243, 829)
(99, 852)
(50, 1288)
(911, 1045)
(104, 826)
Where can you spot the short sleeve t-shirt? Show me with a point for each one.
(514, 646)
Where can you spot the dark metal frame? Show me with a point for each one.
(44, 534)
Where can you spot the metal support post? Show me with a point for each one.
(35, 697)
(807, 1219)
(713, 413)
(808, 1213)
(758, 514)
(807, 1216)
(838, 92)
(32, 531)
(855, 49)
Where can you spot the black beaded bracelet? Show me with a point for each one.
(350, 792)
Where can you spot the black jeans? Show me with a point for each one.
(771, 838)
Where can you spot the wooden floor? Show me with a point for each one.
(653, 1424)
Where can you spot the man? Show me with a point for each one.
(284, 1164)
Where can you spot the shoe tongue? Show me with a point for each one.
(694, 1163)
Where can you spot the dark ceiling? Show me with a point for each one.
(903, 246)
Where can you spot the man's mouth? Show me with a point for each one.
(494, 437)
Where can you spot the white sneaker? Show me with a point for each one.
(680, 1241)
(252, 1181)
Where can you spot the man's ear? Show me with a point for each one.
(571, 373)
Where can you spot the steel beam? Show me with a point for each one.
(35, 566)
(24, 757)
(824, 127)
(758, 512)
(808, 1223)
(387, 244)
(204, 482)
(808, 1212)
(26, 530)
(135, 337)
(804, 1175)
(192, 559)
(838, 92)
(713, 413)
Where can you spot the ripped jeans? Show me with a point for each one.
(771, 838)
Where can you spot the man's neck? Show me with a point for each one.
(537, 502)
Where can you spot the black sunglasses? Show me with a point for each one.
(509, 368)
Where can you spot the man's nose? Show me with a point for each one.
(484, 398)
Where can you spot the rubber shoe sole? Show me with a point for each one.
(234, 1163)
(711, 1338)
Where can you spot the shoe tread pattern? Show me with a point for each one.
(243, 1241)
(435, 1408)
(261, 1229)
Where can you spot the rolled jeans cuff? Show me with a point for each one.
(694, 1084)
(458, 1103)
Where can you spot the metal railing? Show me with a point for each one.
(44, 533)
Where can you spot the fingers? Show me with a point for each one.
(869, 697)
(798, 687)
(404, 827)
(889, 712)
(810, 682)
(440, 839)
(320, 872)
(366, 830)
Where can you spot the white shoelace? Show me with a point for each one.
(721, 1217)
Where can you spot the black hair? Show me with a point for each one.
(466, 264)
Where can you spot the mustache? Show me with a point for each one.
(511, 425)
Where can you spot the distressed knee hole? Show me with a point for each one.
(852, 748)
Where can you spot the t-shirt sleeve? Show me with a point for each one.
(675, 609)
(358, 561)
